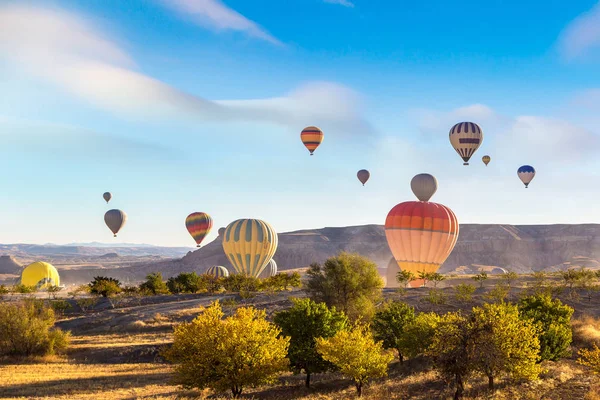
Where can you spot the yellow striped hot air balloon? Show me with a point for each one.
(218, 271)
(466, 137)
(311, 137)
(486, 160)
(249, 244)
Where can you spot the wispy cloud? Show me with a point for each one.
(344, 3)
(65, 49)
(216, 15)
(581, 35)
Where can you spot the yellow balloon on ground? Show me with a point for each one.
(249, 244)
(40, 274)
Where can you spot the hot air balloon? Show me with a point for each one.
(363, 176)
(249, 244)
(424, 186)
(40, 274)
(115, 220)
(486, 160)
(526, 174)
(270, 270)
(107, 196)
(466, 137)
(421, 235)
(311, 137)
(198, 225)
(218, 271)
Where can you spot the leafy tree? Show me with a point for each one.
(187, 282)
(85, 303)
(356, 354)
(304, 323)
(480, 277)
(389, 325)
(52, 290)
(154, 284)
(105, 286)
(349, 282)
(450, 349)
(590, 358)
(554, 320)
(228, 353)
(572, 278)
(240, 283)
(405, 277)
(425, 276)
(436, 278)
(292, 280)
(502, 342)
(499, 293)
(26, 329)
(510, 277)
(418, 334)
(464, 292)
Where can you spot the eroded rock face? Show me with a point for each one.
(8, 265)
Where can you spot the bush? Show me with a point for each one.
(154, 284)
(24, 289)
(26, 329)
(349, 282)
(105, 286)
(405, 277)
(357, 355)
(464, 292)
(590, 358)
(240, 283)
(390, 323)
(436, 278)
(499, 293)
(554, 320)
(3, 291)
(281, 282)
(480, 277)
(85, 303)
(187, 283)
(304, 323)
(435, 296)
(418, 335)
(228, 353)
(60, 306)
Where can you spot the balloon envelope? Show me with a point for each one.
(486, 159)
(249, 244)
(466, 137)
(363, 176)
(311, 137)
(421, 235)
(115, 220)
(424, 186)
(526, 174)
(198, 225)
(107, 196)
(270, 270)
(40, 274)
(218, 271)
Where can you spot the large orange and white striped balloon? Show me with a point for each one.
(466, 137)
(421, 235)
(311, 137)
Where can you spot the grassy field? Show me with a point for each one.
(115, 354)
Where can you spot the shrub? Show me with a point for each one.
(436, 278)
(590, 358)
(435, 296)
(554, 320)
(188, 282)
(240, 282)
(228, 353)
(405, 277)
(510, 277)
(60, 306)
(24, 289)
(26, 329)
(86, 303)
(105, 286)
(464, 292)
(154, 284)
(425, 276)
(480, 277)
(389, 325)
(3, 291)
(304, 323)
(499, 293)
(357, 355)
(349, 282)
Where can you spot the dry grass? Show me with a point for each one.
(586, 331)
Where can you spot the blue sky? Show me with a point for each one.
(178, 106)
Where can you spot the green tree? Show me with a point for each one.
(436, 278)
(425, 276)
(554, 320)
(228, 353)
(357, 355)
(464, 292)
(349, 282)
(499, 293)
(481, 277)
(304, 323)
(405, 277)
(240, 283)
(105, 286)
(154, 284)
(389, 325)
(418, 335)
(187, 282)
(510, 277)
(503, 343)
(27, 329)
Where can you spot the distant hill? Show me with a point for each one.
(10, 266)
(91, 249)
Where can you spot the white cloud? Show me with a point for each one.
(214, 14)
(64, 49)
(581, 35)
(344, 3)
